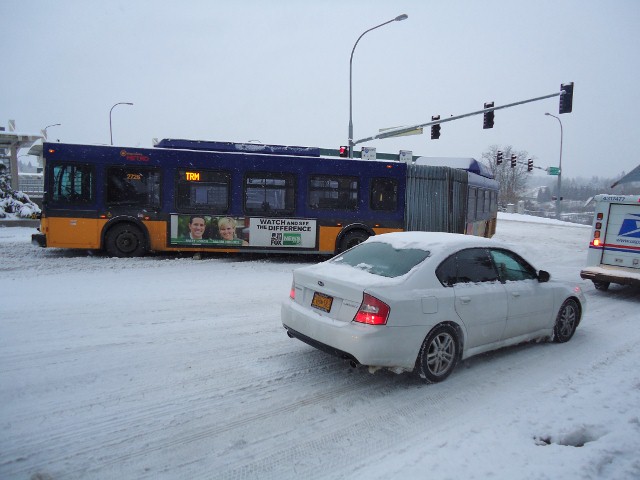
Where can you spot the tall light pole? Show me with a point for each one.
(397, 19)
(44, 132)
(110, 128)
(559, 195)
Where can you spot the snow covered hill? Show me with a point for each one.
(170, 368)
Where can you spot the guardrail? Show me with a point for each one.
(31, 183)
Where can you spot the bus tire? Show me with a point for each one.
(352, 239)
(604, 286)
(125, 240)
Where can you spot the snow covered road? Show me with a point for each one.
(167, 367)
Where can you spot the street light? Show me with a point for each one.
(110, 128)
(44, 132)
(558, 204)
(397, 19)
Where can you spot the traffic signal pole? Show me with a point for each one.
(400, 131)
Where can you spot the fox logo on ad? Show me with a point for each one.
(630, 227)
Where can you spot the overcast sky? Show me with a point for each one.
(278, 72)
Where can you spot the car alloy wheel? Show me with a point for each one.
(439, 354)
(566, 321)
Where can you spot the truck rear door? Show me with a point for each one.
(622, 237)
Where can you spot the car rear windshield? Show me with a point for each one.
(382, 258)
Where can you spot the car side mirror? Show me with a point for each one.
(543, 276)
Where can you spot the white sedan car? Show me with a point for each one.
(421, 301)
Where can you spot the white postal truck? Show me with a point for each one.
(614, 248)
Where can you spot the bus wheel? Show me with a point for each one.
(601, 285)
(352, 239)
(125, 240)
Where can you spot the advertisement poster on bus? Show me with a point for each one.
(223, 231)
(282, 232)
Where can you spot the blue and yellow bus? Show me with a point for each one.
(195, 196)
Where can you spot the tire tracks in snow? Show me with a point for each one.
(235, 388)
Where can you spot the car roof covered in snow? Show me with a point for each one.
(434, 241)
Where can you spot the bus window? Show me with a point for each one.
(487, 201)
(133, 186)
(494, 202)
(384, 194)
(203, 190)
(333, 192)
(267, 193)
(480, 204)
(73, 184)
(471, 203)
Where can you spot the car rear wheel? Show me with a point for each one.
(438, 355)
(566, 321)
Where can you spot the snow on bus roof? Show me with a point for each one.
(470, 164)
(209, 145)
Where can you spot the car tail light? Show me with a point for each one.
(372, 311)
(292, 292)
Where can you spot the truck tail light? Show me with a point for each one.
(372, 311)
(596, 242)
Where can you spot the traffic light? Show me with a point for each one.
(344, 151)
(530, 165)
(488, 116)
(435, 129)
(499, 157)
(566, 98)
(514, 160)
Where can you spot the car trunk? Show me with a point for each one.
(331, 291)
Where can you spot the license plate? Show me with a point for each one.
(321, 301)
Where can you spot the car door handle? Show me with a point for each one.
(515, 294)
(465, 299)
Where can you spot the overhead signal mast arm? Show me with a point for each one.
(404, 130)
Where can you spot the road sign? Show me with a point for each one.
(368, 153)
(406, 156)
(415, 131)
(553, 171)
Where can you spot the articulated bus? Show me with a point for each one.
(198, 196)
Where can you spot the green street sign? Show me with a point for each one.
(553, 171)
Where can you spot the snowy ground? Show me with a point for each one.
(167, 367)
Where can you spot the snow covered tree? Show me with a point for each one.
(513, 180)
